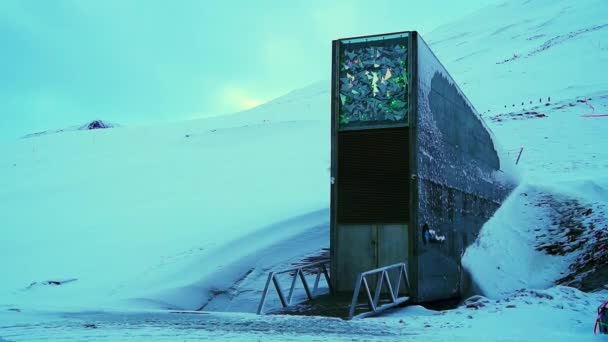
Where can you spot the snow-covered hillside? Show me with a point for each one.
(137, 212)
(163, 216)
(522, 51)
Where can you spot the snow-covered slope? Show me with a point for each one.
(526, 50)
(562, 53)
(135, 212)
(544, 235)
(167, 214)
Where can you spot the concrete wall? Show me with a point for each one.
(458, 184)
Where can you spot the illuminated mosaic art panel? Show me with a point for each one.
(373, 84)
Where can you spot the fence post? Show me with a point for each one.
(519, 155)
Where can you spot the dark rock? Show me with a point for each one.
(541, 295)
(476, 302)
(96, 124)
(52, 282)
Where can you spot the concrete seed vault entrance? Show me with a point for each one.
(415, 173)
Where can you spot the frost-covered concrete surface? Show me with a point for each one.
(173, 216)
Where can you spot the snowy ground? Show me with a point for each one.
(193, 214)
(166, 326)
(559, 314)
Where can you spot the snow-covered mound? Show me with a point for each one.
(542, 236)
(95, 124)
(560, 314)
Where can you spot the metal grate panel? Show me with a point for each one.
(373, 176)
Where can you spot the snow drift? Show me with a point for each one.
(542, 236)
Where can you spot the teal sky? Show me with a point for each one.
(65, 62)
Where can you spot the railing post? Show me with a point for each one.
(317, 278)
(369, 294)
(378, 289)
(407, 279)
(305, 284)
(265, 293)
(390, 287)
(398, 285)
(277, 286)
(353, 303)
(293, 285)
(326, 274)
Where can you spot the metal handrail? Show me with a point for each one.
(383, 279)
(320, 267)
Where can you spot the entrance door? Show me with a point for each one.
(362, 248)
(356, 253)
